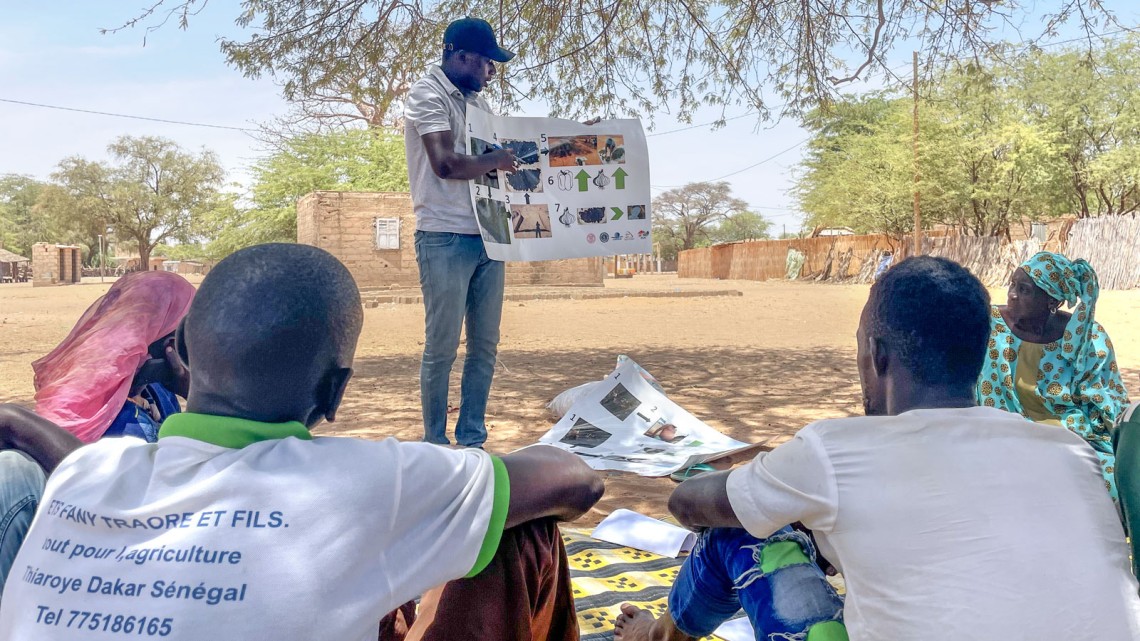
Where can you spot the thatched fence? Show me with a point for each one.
(1110, 243)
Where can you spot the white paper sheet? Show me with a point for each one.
(625, 424)
(634, 530)
(736, 630)
(580, 190)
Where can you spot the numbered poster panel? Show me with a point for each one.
(624, 423)
(579, 190)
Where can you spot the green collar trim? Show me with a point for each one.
(228, 431)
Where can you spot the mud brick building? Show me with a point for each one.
(56, 264)
(373, 234)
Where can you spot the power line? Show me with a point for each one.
(768, 159)
(757, 164)
(1015, 51)
(132, 117)
(743, 169)
(707, 124)
(890, 71)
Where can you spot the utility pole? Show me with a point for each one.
(917, 211)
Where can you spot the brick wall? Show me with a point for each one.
(46, 264)
(342, 224)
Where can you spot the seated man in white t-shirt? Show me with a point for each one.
(237, 523)
(948, 521)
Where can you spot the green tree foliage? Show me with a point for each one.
(182, 251)
(857, 170)
(20, 227)
(744, 225)
(984, 165)
(345, 160)
(150, 192)
(355, 58)
(702, 213)
(63, 218)
(1043, 135)
(1088, 102)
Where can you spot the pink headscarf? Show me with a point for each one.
(82, 384)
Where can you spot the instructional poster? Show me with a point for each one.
(626, 424)
(579, 190)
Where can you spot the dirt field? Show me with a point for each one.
(757, 367)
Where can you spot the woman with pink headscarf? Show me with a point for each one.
(117, 372)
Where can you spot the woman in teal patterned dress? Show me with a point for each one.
(1053, 366)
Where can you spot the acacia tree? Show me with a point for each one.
(347, 160)
(149, 192)
(742, 225)
(19, 225)
(354, 58)
(1036, 137)
(1087, 99)
(858, 171)
(686, 216)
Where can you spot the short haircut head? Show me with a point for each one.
(935, 316)
(270, 322)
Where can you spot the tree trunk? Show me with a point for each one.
(144, 253)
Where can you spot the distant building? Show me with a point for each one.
(835, 231)
(373, 234)
(56, 264)
(185, 267)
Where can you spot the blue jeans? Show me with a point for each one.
(459, 283)
(775, 580)
(21, 486)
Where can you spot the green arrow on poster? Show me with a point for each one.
(583, 180)
(619, 178)
(618, 213)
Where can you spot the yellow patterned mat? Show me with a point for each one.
(605, 575)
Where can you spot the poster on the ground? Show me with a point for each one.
(625, 424)
(579, 190)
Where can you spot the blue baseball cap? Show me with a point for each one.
(476, 36)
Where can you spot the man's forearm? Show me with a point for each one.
(549, 482)
(24, 430)
(702, 502)
(464, 167)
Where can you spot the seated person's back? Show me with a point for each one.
(237, 523)
(998, 527)
(949, 521)
(116, 373)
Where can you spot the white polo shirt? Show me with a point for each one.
(953, 524)
(435, 104)
(231, 529)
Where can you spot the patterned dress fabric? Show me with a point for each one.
(1078, 380)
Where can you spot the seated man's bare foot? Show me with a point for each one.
(634, 624)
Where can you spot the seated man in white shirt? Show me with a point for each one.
(948, 521)
(237, 523)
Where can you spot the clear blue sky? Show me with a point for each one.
(51, 52)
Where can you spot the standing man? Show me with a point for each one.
(457, 278)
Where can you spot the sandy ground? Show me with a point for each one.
(757, 367)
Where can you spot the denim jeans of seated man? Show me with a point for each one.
(21, 486)
(460, 285)
(775, 581)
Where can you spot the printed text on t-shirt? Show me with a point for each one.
(181, 520)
